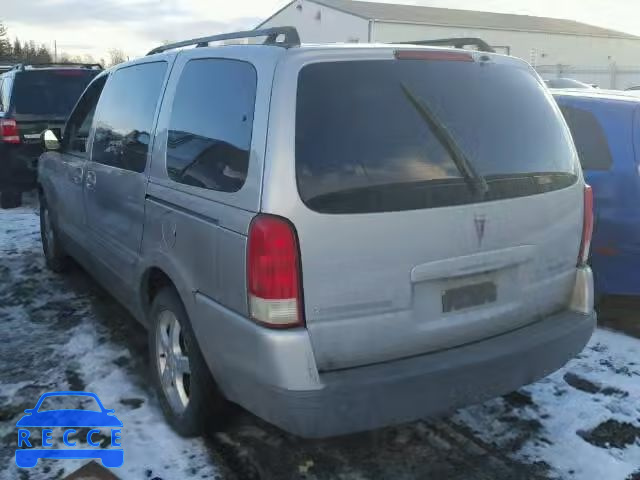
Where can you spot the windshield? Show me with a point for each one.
(50, 92)
(377, 136)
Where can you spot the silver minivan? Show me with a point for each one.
(335, 237)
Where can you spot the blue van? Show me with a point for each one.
(606, 130)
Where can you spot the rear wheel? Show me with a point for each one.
(188, 394)
(10, 199)
(55, 256)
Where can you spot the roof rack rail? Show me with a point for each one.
(456, 43)
(23, 66)
(291, 39)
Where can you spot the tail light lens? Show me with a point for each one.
(273, 273)
(587, 226)
(9, 131)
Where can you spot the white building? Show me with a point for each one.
(540, 41)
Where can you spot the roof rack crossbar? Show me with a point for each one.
(456, 43)
(23, 66)
(291, 39)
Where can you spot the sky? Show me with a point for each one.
(93, 27)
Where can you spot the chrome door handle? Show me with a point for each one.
(76, 176)
(90, 181)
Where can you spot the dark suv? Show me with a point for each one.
(33, 98)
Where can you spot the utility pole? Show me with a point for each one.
(55, 51)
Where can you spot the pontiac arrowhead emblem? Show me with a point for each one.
(480, 222)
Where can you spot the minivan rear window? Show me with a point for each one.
(50, 92)
(389, 135)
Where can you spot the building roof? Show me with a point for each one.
(467, 18)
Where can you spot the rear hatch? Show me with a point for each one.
(441, 203)
(43, 98)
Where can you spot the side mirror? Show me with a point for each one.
(50, 140)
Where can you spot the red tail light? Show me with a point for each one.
(9, 131)
(587, 226)
(273, 273)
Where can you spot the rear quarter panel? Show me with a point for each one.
(197, 236)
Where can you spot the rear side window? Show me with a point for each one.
(50, 92)
(375, 136)
(211, 124)
(589, 137)
(125, 116)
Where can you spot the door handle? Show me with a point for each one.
(90, 181)
(76, 175)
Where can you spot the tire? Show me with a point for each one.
(190, 401)
(54, 254)
(10, 199)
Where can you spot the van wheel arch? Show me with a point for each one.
(153, 281)
(207, 405)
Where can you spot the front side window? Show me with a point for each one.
(211, 124)
(589, 137)
(406, 134)
(78, 127)
(125, 116)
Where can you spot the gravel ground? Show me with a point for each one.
(65, 332)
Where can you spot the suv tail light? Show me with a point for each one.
(9, 131)
(587, 226)
(273, 273)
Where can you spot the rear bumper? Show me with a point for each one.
(370, 397)
(18, 166)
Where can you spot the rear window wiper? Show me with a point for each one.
(476, 182)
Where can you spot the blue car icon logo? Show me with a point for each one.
(68, 419)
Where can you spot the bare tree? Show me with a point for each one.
(17, 48)
(30, 50)
(5, 44)
(43, 55)
(116, 56)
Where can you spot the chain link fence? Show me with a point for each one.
(613, 77)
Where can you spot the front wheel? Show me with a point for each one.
(55, 257)
(188, 394)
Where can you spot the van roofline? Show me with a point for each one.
(342, 47)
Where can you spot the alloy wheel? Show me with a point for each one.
(173, 361)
